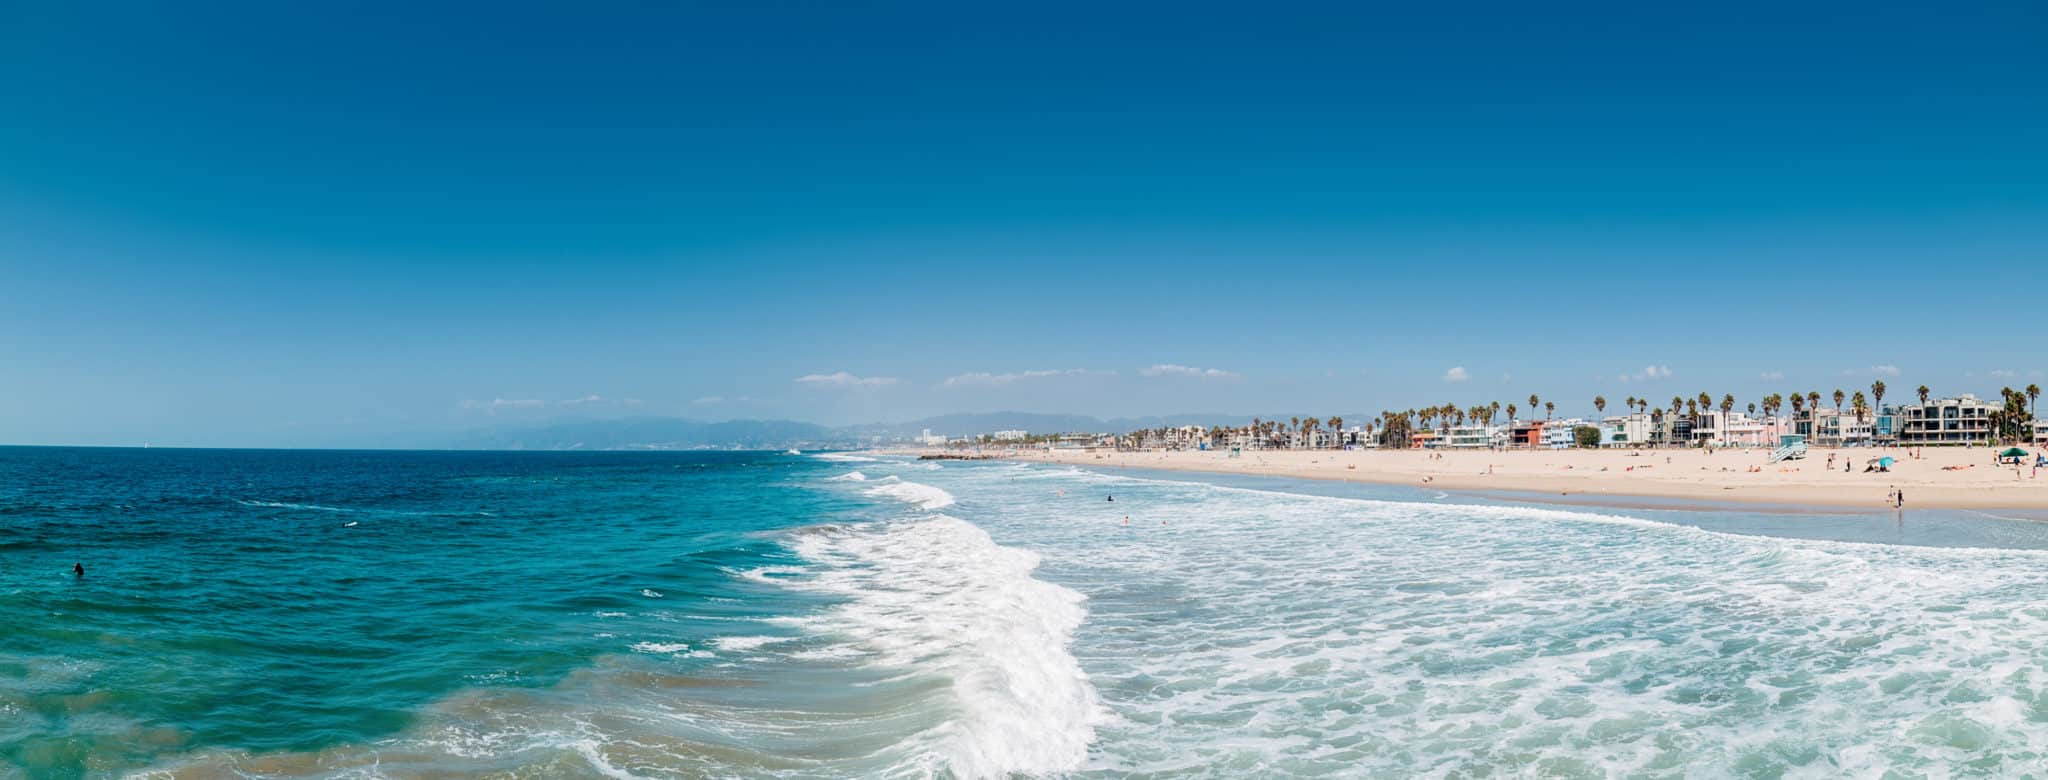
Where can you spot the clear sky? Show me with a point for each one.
(294, 224)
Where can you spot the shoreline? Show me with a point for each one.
(1950, 478)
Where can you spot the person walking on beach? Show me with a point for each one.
(1899, 500)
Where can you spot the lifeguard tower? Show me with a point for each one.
(1791, 446)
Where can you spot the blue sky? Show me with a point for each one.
(271, 225)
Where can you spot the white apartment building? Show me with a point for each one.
(1471, 437)
(1959, 420)
(1628, 430)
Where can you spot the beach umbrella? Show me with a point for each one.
(2013, 452)
(1886, 461)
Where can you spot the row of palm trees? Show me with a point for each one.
(1393, 428)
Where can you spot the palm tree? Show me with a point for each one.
(1533, 403)
(1877, 393)
(1629, 403)
(1728, 403)
(1511, 413)
(1860, 405)
(1599, 404)
(1337, 424)
(1706, 401)
(1752, 408)
(1813, 400)
(1676, 404)
(1923, 395)
(1549, 408)
(1491, 410)
(2033, 401)
(1838, 399)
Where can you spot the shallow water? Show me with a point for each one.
(755, 614)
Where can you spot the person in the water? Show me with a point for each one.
(1112, 498)
(78, 569)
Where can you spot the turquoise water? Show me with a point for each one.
(281, 614)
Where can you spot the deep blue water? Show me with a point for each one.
(278, 601)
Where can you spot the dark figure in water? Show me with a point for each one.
(1112, 498)
(78, 569)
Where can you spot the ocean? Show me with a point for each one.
(615, 615)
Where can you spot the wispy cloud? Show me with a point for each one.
(2003, 373)
(600, 400)
(496, 405)
(1173, 369)
(1771, 376)
(986, 379)
(1456, 374)
(1648, 373)
(844, 379)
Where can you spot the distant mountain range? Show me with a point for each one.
(675, 433)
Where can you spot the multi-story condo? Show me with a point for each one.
(2041, 431)
(1560, 434)
(1629, 430)
(1470, 437)
(1824, 427)
(1735, 429)
(1959, 420)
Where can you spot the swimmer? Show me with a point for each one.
(78, 569)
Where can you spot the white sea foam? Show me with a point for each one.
(741, 644)
(287, 505)
(851, 476)
(915, 493)
(939, 597)
(841, 457)
(661, 647)
(671, 648)
(1264, 633)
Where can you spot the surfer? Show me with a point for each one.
(78, 569)
(1112, 499)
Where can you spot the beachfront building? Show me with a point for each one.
(1959, 420)
(1559, 434)
(1525, 433)
(1674, 430)
(1824, 427)
(1011, 435)
(2041, 431)
(928, 439)
(1885, 430)
(1472, 437)
(1735, 429)
(1628, 430)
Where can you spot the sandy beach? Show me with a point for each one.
(1952, 478)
